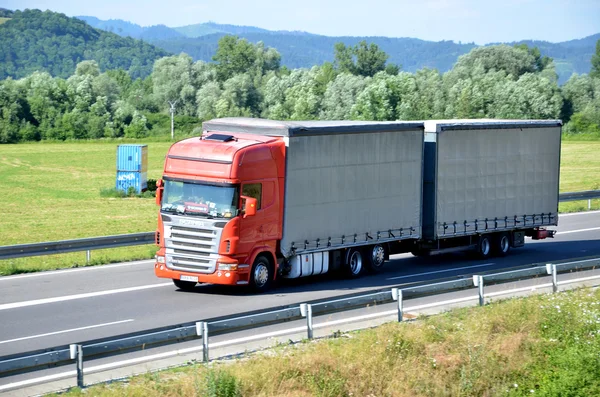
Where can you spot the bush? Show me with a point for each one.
(222, 384)
(151, 185)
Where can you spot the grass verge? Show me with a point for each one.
(544, 345)
(59, 191)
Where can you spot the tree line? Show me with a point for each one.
(247, 79)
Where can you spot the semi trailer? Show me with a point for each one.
(253, 200)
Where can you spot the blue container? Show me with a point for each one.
(132, 167)
(127, 179)
(132, 158)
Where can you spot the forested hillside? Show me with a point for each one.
(33, 40)
(246, 79)
(301, 49)
(298, 51)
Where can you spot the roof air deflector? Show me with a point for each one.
(219, 137)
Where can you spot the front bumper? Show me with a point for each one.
(223, 277)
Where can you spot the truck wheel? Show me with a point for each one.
(354, 263)
(261, 276)
(184, 285)
(502, 244)
(484, 246)
(376, 258)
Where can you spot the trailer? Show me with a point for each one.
(488, 184)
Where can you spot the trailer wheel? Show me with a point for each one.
(502, 244)
(354, 263)
(184, 285)
(376, 258)
(484, 246)
(261, 276)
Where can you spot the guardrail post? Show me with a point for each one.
(76, 353)
(551, 269)
(397, 296)
(306, 311)
(205, 352)
(589, 204)
(478, 282)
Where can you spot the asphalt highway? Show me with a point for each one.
(55, 308)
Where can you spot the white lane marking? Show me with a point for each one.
(515, 290)
(579, 230)
(79, 269)
(440, 271)
(42, 379)
(577, 280)
(66, 330)
(78, 296)
(579, 213)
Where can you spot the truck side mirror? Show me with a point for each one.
(159, 191)
(249, 206)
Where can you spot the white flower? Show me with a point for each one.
(515, 385)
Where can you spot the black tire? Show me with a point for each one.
(502, 244)
(261, 277)
(184, 285)
(484, 246)
(375, 256)
(354, 265)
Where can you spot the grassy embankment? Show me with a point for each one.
(545, 345)
(51, 191)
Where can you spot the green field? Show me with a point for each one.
(51, 191)
(2, 20)
(545, 345)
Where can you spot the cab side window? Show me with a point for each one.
(253, 190)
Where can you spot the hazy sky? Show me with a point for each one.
(479, 21)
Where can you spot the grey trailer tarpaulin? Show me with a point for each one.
(491, 174)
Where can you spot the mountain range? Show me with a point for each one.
(35, 40)
(302, 49)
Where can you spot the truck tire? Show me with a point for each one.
(354, 263)
(375, 258)
(184, 285)
(261, 277)
(502, 244)
(484, 246)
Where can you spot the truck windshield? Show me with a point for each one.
(192, 198)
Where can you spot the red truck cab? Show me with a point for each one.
(221, 209)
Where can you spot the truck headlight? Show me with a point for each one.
(160, 259)
(227, 266)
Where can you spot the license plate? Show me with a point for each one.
(188, 278)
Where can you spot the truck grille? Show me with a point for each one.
(191, 249)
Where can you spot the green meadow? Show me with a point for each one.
(51, 191)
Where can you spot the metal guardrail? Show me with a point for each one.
(84, 244)
(75, 353)
(584, 195)
(126, 240)
(578, 196)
